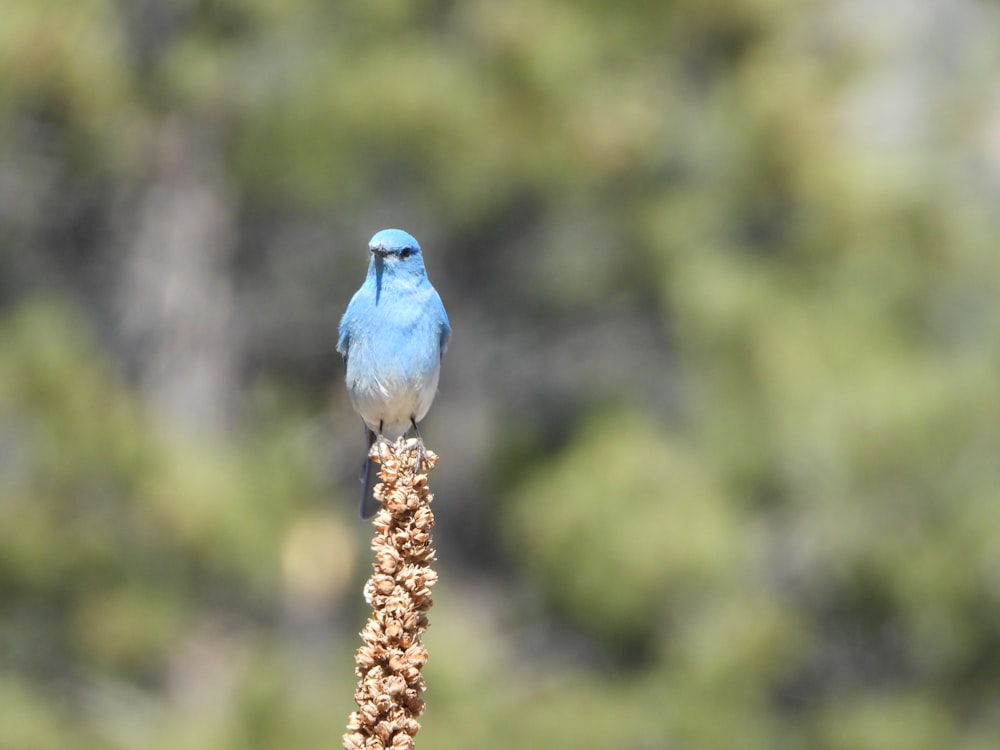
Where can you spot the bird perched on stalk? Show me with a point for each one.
(392, 338)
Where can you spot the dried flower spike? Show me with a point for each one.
(389, 662)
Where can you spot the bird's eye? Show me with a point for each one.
(406, 252)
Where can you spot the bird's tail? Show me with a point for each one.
(369, 475)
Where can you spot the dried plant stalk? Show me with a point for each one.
(390, 683)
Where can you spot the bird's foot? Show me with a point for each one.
(422, 461)
(378, 444)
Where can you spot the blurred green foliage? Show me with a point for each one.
(121, 545)
(782, 533)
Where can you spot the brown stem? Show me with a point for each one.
(389, 662)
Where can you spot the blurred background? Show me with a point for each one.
(720, 422)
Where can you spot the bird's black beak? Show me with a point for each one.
(378, 252)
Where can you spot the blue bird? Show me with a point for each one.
(392, 338)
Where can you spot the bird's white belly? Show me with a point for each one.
(388, 406)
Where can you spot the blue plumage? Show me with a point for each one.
(392, 337)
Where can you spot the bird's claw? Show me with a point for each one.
(422, 461)
(379, 442)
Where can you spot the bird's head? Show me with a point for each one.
(396, 250)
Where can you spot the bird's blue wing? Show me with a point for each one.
(445, 326)
(343, 342)
(347, 324)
